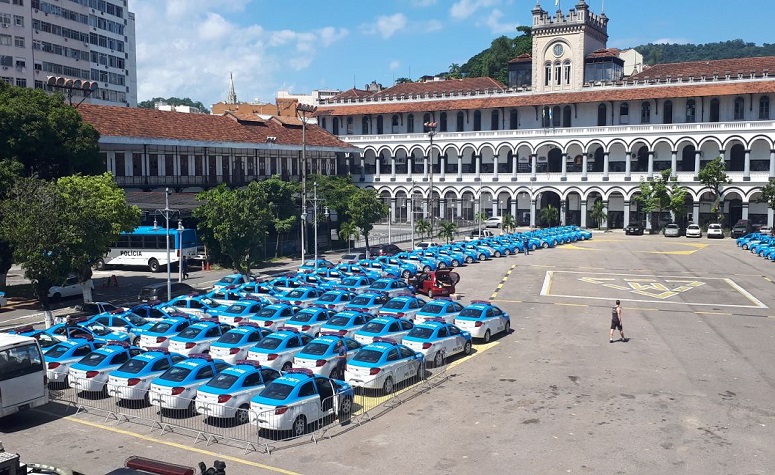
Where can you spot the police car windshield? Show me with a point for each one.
(420, 332)
(57, 351)
(277, 391)
(236, 308)
(361, 300)
(135, 319)
(328, 297)
(230, 337)
(302, 317)
(176, 374)
(227, 280)
(471, 312)
(160, 327)
(222, 381)
(133, 366)
(339, 321)
(99, 330)
(433, 308)
(266, 312)
(367, 356)
(394, 304)
(316, 348)
(190, 332)
(373, 327)
(381, 284)
(93, 359)
(269, 343)
(349, 281)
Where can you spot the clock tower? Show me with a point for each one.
(561, 44)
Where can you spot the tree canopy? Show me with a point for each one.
(366, 208)
(45, 135)
(494, 61)
(714, 177)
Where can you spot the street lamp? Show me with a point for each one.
(431, 126)
(180, 250)
(315, 217)
(302, 110)
(411, 216)
(167, 212)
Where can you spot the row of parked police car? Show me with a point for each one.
(760, 243)
(248, 349)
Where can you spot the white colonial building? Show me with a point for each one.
(577, 123)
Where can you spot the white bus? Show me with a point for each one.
(146, 246)
(23, 382)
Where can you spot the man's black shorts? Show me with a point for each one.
(616, 324)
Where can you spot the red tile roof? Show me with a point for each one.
(440, 87)
(525, 99)
(351, 94)
(720, 67)
(604, 53)
(232, 127)
(522, 58)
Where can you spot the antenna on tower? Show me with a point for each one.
(232, 98)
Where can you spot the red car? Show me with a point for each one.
(439, 283)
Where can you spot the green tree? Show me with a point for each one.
(10, 171)
(403, 81)
(32, 226)
(45, 135)
(366, 208)
(480, 217)
(714, 177)
(348, 231)
(173, 101)
(598, 212)
(550, 215)
(508, 223)
(448, 230)
(677, 202)
(235, 222)
(282, 205)
(95, 212)
(422, 226)
(768, 194)
(493, 62)
(655, 195)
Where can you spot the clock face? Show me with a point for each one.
(557, 49)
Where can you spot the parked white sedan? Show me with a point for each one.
(693, 231)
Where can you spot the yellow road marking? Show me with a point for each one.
(578, 248)
(714, 313)
(179, 446)
(571, 304)
(643, 308)
(507, 301)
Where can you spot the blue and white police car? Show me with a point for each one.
(132, 379)
(437, 340)
(483, 320)
(384, 364)
(228, 394)
(321, 355)
(176, 388)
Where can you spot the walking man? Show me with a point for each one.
(184, 263)
(526, 244)
(341, 359)
(616, 322)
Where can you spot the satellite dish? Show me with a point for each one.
(60, 81)
(77, 84)
(94, 86)
(52, 80)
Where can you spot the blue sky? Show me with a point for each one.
(188, 48)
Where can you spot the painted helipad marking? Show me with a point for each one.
(503, 281)
(637, 287)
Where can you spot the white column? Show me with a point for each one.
(747, 166)
(651, 165)
(409, 164)
(563, 212)
(628, 166)
(772, 163)
(584, 162)
(674, 163)
(604, 221)
(770, 213)
(697, 154)
(377, 160)
(425, 164)
(696, 212)
(583, 213)
(745, 210)
(564, 166)
(392, 217)
(478, 166)
(514, 163)
(514, 208)
(459, 206)
(460, 167)
(443, 166)
(533, 166)
(393, 167)
(363, 167)
(532, 213)
(268, 162)
(606, 160)
(626, 220)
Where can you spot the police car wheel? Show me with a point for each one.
(545, 245)
(487, 336)
(387, 387)
(299, 426)
(345, 409)
(426, 269)
(242, 416)
(455, 263)
(136, 341)
(430, 293)
(100, 264)
(508, 328)
(467, 348)
(438, 360)
(469, 260)
(497, 254)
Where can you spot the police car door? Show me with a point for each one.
(456, 341)
(328, 401)
(308, 403)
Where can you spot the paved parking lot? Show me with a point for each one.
(691, 392)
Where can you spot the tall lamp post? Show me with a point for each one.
(180, 250)
(431, 127)
(167, 212)
(411, 215)
(302, 110)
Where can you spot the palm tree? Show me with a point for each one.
(448, 231)
(480, 217)
(348, 230)
(508, 223)
(550, 215)
(598, 212)
(422, 226)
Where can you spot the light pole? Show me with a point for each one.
(431, 126)
(411, 216)
(167, 212)
(180, 250)
(302, 110)
(390, 218)
(315, 217)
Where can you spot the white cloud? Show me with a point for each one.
(394, 65)
(187, 48)
(465, 8)
(423, 3)
(493, 22)
(386, 25)
(671, 41)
